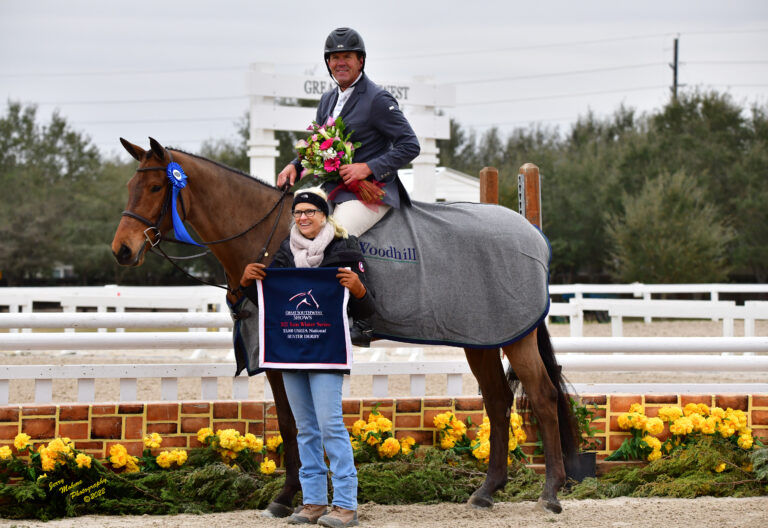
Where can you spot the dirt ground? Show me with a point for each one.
(704, 512)
(360, 386)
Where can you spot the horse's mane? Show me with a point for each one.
(225, 167)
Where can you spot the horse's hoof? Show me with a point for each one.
(277, 510)
(480, 501)
(550, 506)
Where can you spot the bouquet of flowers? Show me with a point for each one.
(325, 150)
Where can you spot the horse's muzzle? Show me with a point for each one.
(126, 257)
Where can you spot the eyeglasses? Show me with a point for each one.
(309, 213)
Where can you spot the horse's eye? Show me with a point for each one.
(156, 188)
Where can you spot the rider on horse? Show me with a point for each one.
(387, 141)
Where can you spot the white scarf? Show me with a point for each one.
(308, 253)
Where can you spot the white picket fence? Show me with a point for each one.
(199, 311)
(619, 309)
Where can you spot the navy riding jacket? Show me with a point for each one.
(387, 141)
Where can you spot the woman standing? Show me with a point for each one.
(315, 395)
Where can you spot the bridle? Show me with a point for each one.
(153, 228)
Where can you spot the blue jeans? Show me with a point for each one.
(315, 399)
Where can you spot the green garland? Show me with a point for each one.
(687, 473)
(204, 484)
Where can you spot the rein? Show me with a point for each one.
(154, 227)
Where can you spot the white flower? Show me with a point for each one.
(328, 154)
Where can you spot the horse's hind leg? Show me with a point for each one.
(282, 505)
(497, 397)
(525, 360)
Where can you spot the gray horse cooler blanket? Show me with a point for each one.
(456, 274)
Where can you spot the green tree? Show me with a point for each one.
(749, 211)
(449, 149)
(41, 166)
(669, 233)
(231, 153)
(726, 147)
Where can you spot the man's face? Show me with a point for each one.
(345, 67)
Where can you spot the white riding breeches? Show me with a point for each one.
(356, 217)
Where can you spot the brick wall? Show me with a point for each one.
(95, 427)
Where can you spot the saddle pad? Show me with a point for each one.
(457, 274)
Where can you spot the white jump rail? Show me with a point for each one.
(83, 320)
(727, 311)
(223, 340)
(22, 298)
(380, 373)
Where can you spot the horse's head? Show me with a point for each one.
(147, 213)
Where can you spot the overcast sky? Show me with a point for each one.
(175, 70)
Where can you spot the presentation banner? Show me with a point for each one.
(303, 320)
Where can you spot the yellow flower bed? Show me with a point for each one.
(686, 425)
(374, 440)
(231, 445)
(452, 434)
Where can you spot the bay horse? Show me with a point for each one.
(219, 201)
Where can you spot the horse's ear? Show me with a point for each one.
(135, 151)
(157, 149)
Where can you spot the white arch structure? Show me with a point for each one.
(419, 100)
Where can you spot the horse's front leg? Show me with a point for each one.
(282, 506)
(497, 397)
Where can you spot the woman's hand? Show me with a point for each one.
(351, 281)
(252, 272)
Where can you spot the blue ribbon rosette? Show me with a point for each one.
(178, 181)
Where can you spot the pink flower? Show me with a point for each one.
(332, 164)
(331, 121)
(325, 145)
(314, 137)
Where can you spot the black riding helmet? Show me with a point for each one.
(343, 39)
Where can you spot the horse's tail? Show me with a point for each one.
(565, 416)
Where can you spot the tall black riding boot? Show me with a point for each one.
(360, 333)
